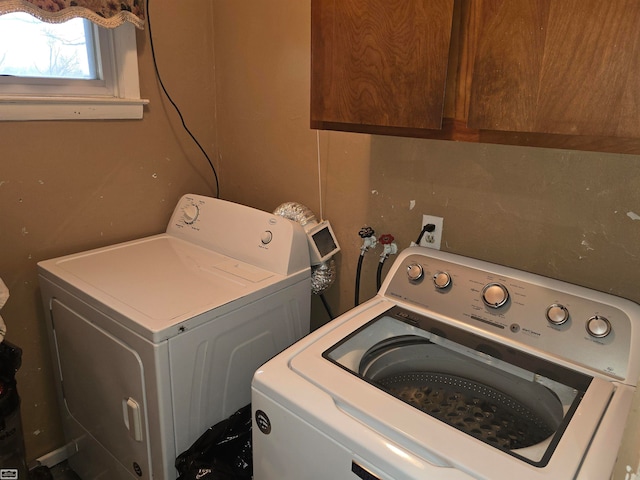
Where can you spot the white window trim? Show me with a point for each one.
(123, 103)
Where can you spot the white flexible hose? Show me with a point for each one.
(324, 274)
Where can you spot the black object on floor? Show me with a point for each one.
(40, 473)
(223, 452)
(12, 452)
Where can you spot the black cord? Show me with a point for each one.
(429, 227)
(184, 125)
(358, 271)
(326, 306)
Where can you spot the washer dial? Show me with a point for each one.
(442, 280)
(557, 314)
(495, 295)
(415, 272)
(598, 327)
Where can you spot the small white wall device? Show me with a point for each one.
(322, 242)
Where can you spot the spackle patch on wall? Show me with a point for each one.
(630, 475)
(412, 204)
(586, 245)
(633, 216)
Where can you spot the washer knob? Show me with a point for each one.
(495, 295)
(415, 272)
(557, 314)
(442, 280)
(598, 327)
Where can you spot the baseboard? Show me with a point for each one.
(57, 456)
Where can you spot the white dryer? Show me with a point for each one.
(155, 340)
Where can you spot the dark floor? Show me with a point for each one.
(61, 471)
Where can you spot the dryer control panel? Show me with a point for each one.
(253, 236)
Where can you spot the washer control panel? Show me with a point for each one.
(582, 326)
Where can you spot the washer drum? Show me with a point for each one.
(481, 400)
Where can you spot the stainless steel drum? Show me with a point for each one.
(495, 406)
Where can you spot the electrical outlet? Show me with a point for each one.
(432, 239)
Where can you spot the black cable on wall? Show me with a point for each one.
(184, 125)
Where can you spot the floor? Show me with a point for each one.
(63, 472)
(60, 472)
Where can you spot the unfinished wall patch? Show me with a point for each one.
(633, 216)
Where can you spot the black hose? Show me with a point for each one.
(326, 306)
(379, 274)
(358, 271)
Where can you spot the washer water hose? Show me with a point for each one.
(389, 248)
(324, 274)
(368, 241)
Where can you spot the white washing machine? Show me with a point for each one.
(457, 369)
(157, 339)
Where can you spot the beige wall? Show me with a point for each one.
(70, 186)
(569, 215)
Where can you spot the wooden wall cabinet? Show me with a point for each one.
(550, 73)
(379, 63)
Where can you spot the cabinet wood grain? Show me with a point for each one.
(544, 73)
(564, 67)
(379, 63)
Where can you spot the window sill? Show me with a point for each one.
(23, 108)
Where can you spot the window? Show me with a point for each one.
(72, 70)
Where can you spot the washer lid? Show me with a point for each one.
(158, 282)
(331, 361)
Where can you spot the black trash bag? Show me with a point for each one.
(12, 452)
(223, 452)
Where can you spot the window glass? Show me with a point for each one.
(31, 48)
(70, 70)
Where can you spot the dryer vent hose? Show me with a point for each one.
(324, 274)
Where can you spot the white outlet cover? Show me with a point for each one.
(433, 239)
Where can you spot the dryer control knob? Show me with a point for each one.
(442, 280)
(598, 327)
(190, 214)
(557, 314)
(495, 295)
(266, 237)
(415, 272)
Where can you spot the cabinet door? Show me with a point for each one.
(379, 63)
(565, 66)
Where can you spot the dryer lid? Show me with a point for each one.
(158, 282)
